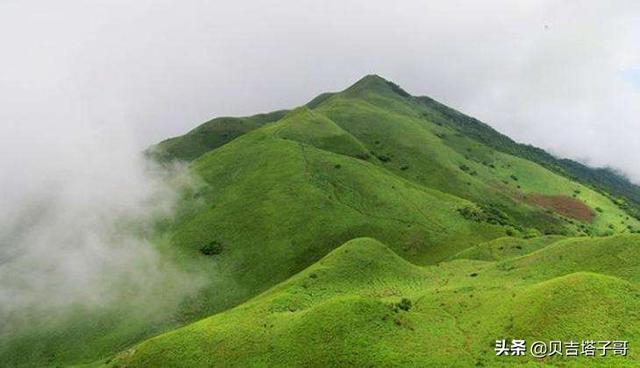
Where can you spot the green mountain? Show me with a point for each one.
(372, 228)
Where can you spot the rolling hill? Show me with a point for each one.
(347, 310)
(315, 223)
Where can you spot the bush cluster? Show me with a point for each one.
(486, 213)
(404, 304)
(212, 248)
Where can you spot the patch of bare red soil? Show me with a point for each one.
(564, 205)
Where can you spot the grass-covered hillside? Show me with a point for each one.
(364, 306)
(426, 143)
(481, 242)
(210, 135)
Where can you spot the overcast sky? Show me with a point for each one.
(121, 75)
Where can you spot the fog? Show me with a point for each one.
(86, 85)
(76, 233)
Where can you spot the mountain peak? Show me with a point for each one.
(373, 83)
(372, 78)
(370, 81)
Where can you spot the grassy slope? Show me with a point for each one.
(210, 135)
(278, 204)
(368, 161)
(507, 247)
(432, 155)
(604, 179)
(339, 312)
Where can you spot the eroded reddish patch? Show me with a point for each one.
(564, 205)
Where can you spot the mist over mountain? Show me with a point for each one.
(202, 184)
(76, 225)
(238, 208)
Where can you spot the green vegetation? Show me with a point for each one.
(605, 180)
(211, 248)
(507, 247)
(284, 224)
(358, 311)
(208, 136)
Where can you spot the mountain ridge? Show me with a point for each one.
(607, 181)
(372, 166)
